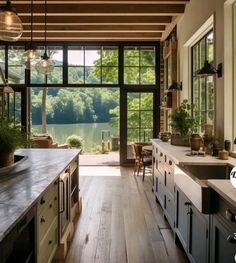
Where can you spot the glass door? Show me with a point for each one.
(138, 125)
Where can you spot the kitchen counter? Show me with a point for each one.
(178, 153)
(225, 189)
(19, 192)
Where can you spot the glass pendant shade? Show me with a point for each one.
(30, 58)
(11, 27)
(45, 65)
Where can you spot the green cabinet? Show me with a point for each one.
(192, 229)
(223, 233)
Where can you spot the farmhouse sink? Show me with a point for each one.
(192, 180)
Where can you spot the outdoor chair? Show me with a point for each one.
(143, 159)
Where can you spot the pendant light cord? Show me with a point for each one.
(45, 27)
(31, 21)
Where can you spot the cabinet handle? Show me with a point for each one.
(231, 239)
(230, 216)
(170, 162)
(187, 203)
(42, 220)
(49, 242)
(63, 196)
(55, 183)
(67, 170)
(50, 206)
(42, 201)
(161, 154)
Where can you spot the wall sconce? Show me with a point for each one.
(175, 85)
(209, 70)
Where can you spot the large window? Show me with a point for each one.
(55, 77)
(203, 87)
(139, 65)
(92, 65)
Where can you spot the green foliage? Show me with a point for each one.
(11, 136)
(74, 141)
(183, 121)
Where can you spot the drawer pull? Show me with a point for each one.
(55, 183)
(42, 220)
(231, 239)
(230, 216)
(170, 162)
(161, 154)
(55, 198)
(67, 170)
(49, 242)
(187, 203)
(168, 200)
(42, 201)
(50, 206)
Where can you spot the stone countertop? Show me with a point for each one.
(20, 191)
(225, 189)
(178, 154)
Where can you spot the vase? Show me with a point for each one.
(195, 142)
(6, 158)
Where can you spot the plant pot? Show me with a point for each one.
(179, 140)
(195, 142)
(6, 158)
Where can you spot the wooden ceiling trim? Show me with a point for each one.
(105, 9)
(16, 2)
(110, 20)
(104, 28)
(93, 34)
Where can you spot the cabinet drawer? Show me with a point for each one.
(161, 162)
(48, 246)
(73, 165)
(46, 217)
(51, 192)
(160, 190)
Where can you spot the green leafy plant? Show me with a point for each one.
(183, 121)
(11, 136)
(74, 141)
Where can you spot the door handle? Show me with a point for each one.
(62, 209)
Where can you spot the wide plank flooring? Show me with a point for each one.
(121, 223)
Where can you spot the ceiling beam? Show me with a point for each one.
(103, 10)
(100, 20)
(77, 35)
(94, 28)
(103, 2)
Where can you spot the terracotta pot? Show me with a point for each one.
(6, 158)
(195, 142)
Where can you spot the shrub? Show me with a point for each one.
(74, 141)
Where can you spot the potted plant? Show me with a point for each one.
(11, 137)
(183, 123)
(74, 141)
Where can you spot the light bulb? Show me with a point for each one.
(8, 18)
(45, 65)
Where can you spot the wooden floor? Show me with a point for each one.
(121, 222)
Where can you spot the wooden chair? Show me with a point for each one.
(142, 159)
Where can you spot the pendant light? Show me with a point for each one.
(6, 88)
(45, 65)
(11, 27)
(29, 56)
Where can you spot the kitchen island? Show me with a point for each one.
(35, 189)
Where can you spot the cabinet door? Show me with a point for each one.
(223, 244)
(198, 236)
(160, 193)
(182, 203)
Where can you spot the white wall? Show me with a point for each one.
(197, 12)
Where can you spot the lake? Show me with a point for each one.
(90, 132)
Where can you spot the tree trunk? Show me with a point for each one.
(44, 121)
